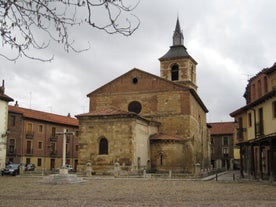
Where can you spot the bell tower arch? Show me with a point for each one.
(177, 65)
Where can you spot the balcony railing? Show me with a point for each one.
(11, 152)
(53, 153)
(240, 133)
(259, 129)
(53, 138)
(29, 135)
(29, 151)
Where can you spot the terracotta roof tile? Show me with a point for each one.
(222, 128)
(44, 116)
(166, 137)
(4, 97)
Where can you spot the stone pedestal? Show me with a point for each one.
(63, 171)
(116, 169)
(62, 179)
(197, 169)
(88, 171)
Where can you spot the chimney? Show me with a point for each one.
(16, 104)
(2, 88)
(69, 115)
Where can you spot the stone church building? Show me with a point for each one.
(143, 121)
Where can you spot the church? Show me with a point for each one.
(141, 121)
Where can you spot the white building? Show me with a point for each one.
(4, 100)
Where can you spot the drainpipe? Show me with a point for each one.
(253, 171)
(271, 175)
(241, 161)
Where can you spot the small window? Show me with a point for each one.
(76, 147)
(225, 141)
(40, 128)
(53, 131)
(249, 120)
(225, 150)
(12, 146)
(134, 80)
(265, 85)
(103, 146)
(174, 72)
(274, 109)
(29, 128)
(13, 119)
(40, 145)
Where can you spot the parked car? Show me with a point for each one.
(30, 167)
(11, 169)
(68, 167)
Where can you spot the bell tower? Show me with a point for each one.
(177, 65)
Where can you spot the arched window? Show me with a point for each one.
(103, 146)
(174, 72)
(135, 107)
(161, 159)
(192, 73)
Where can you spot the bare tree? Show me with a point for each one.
(22, 22)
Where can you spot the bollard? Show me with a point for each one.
(170, 174)
(144, 173)
(216, 176)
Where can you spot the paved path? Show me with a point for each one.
(99, 192)
(224, 176)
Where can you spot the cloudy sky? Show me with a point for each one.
(231, 40)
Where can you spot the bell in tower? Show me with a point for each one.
(177, 65)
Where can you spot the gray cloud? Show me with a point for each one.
(230, 40)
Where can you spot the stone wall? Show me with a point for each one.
(128, 143)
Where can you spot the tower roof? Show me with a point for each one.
(177, 50)
(178, 37)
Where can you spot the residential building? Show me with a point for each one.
(256, 126)
(35, 138)
(143, 121)
(4, 100)
(222, 145)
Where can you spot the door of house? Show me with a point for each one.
(52, 164)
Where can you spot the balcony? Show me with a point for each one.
(259, 129)
(53, 138)
(53, 153)
(29, 135)
(240, 133)
(11, 152)
(29, 152)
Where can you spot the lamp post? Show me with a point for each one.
(64, 170)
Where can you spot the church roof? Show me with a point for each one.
(166, 137)
(3, 96)
(44, 116)
(175, 84)
(113, 112)
(107, 112)
(6, 98)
